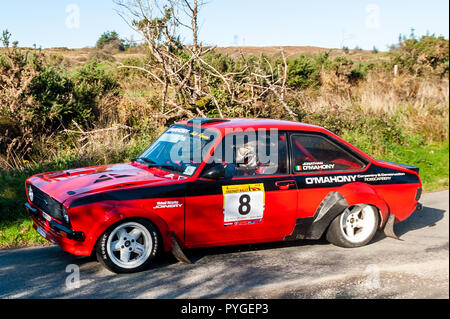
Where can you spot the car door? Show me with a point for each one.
(255, 202)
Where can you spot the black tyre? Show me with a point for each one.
(355, 227)
(128, 246)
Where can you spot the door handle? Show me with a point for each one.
(285, 184)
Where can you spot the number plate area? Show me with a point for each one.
(243, 203)
(41, 232)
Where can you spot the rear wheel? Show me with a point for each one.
(355, 227)
(129, 246)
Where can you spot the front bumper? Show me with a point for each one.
(69, 240)
(57, 227)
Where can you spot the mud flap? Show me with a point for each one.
(389, 228)
(177, 252)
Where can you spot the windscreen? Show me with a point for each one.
(182, 148)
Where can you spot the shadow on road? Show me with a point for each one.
(198, 253)
(427, 217)
(41, 273)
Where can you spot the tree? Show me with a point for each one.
(110, 38)
(189, 81)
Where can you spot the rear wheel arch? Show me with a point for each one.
(336, 202)
(330, 207)
(361, 193)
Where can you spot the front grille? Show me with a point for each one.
(47, 204)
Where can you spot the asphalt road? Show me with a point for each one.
(415, 267)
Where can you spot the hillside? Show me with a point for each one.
(76, 57)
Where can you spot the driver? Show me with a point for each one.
(246, 157)
(248, 162)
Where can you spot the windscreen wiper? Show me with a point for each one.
(153, 164)
(167, 166)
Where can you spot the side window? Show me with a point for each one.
(253, 154)
(313, 153)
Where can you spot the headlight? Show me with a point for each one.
(30, 193)
(65, 215)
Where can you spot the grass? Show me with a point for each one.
(431, 158)
(15, 224)
(433, 161)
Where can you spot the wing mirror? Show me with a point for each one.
(215, 172)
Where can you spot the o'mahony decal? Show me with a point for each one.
(352, 178)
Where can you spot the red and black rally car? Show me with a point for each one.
(212, 182)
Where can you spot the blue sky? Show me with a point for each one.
(331, 24)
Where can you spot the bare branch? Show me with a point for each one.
(186, 74)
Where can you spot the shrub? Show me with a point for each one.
(26, 97)
(38, 98)
(381, 130)
(427, 55)
(33, 100)
(322, 59)
(222, 63)
(303, 73)
(361, 71)
(92, 82)
(126, 72)
(51, 90)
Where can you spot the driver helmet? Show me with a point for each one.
(246, 156)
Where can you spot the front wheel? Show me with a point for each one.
(128, 246)
(355, 227)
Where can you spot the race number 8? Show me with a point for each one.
(243, 202)
(244, 207)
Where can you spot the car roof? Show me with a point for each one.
(239, 123)
(222, 124)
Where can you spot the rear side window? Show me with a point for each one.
(315, 153)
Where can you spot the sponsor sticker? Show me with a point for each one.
(201, 135)
(168, 204)
(315, 166)
(179, 130)
(330, 179)
(173, 137)
(379, 177)
(189, 170)
(352, 178)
